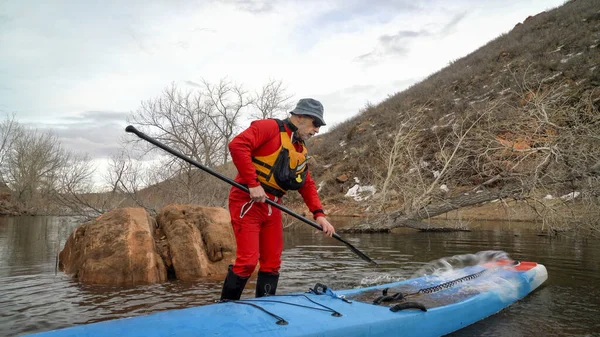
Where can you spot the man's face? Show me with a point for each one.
(307, 127)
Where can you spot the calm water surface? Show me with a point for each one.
(33, 298)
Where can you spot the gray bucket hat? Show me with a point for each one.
(310, 107)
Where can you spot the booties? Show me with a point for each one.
(266, 284)
(233, 285)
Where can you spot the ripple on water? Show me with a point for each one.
(33, 299)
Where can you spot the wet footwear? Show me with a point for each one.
(266, 284)
(233, 285)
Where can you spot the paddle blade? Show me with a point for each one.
(362, 255)
(355, 250)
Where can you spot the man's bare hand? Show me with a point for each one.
(327, 227)
(257, 194)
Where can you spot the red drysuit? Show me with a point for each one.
(257, 226)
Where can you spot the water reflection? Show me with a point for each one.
(34, 299)
(31, 243)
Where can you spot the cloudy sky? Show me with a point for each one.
(80, 67)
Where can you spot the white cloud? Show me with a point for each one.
(67, 58)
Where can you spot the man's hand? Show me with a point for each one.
(257, 194)
(327, 227)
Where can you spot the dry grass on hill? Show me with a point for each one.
(531, 99)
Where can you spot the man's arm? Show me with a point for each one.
(243, 145)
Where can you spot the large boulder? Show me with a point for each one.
(200, 241)
(117, 248)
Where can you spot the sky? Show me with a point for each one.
(79, 68)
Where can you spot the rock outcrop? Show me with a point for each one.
(200, 240)
(128, 247)
(117, 248)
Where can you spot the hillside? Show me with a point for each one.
(511, 130)
(518, 117)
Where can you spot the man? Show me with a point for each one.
(271, 158)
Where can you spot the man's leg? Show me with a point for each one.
(271, 246)
(246, 230)
(233, 285)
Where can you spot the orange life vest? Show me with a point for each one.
(283, 170)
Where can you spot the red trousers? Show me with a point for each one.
(258, 233)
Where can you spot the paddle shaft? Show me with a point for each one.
(176, 153)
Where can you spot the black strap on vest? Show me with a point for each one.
(265, 165)
(271, 190)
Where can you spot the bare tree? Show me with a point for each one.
(10, 130)
(182, 121)
(33, 166)
(199, 124)
(396, 155)
(73, 192)
(126, 178)
(420, 177)
(272, 101)
(225, 103)
(560, 162)
(44, 177)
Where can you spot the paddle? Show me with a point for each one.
(149, 139)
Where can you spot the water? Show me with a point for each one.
(34, 299)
